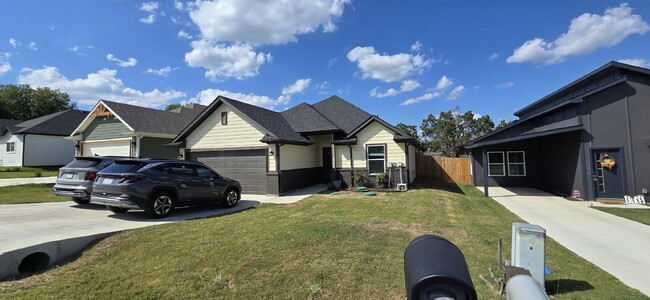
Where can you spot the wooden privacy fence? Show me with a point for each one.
(446, 169)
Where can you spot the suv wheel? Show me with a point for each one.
(160, 205)
(231, 198)
(81, 200)
(117, 210)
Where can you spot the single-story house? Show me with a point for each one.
(119, 129)
(589, 139)
(275, 152)
(39, 141)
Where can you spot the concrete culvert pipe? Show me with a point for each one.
(34, 263)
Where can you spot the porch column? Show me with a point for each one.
(485, 172)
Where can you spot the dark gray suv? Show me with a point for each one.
(158, 186)
(76, 178)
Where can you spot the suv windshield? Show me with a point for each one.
(123, 167)
(83, 163)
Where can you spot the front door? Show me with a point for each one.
(327, 164)
(608, 173)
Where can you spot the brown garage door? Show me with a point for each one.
(246, 166)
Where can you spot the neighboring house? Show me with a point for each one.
(40, 141)
(566, 142)
(119, 129)
(273, 153)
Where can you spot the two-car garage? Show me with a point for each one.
(246, 166)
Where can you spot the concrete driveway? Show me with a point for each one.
(62, 229)
(616, 245)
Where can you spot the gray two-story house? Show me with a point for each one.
(589, 139)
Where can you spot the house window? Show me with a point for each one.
(11, 146)
(496, 164)
(224, 118)
(376, 159)
(516, 163)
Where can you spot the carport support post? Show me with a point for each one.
(485, 172)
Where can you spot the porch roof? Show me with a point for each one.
(526, 135)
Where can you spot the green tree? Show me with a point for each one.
(411, 130)
(453, 129)
(22, 102)
(503, 123)
(172, 106)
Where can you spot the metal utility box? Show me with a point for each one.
(529, 249)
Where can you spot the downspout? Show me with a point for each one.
(137, 145)
(277, 167)
(408, 163)
(23, 152)
(629, 147)
(485, 173)
(351, 165)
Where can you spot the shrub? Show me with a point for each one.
(38, 174)
(382, 180)
(360, 178)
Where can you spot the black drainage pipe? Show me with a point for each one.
(34, 263)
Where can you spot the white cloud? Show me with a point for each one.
(80, 50)
(444, 83)
(297, 87)
(165, 71)
(424, 97)
(493, 57)
(32, 46)
(206, 97)
(148, 20)
(456, 93)
(122, 63)
(331, 62)
(264, 22)
(185, 35)
(179, 5)
(5, 66)
(416, 46)
(586, 33)
(149, 7)
(103, 84)
(504, 85)
(406, 86)
(13, 42)
(237, 61)
(639, 62)
(387, 68)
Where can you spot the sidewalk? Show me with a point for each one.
(19, 181)
(617, 245)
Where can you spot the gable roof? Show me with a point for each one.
(279, 129)
(60, 123)
(146, 120)
(332, 115)
(5, 124)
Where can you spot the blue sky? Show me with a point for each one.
(401, 60)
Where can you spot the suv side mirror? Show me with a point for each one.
(434, 268)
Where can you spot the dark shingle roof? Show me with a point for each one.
(304, 118)
(7, 124)
(341, 113)
(270, 120)
(149, 120)
(59, 123)
(333, 115)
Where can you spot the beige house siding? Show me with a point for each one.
(377, 134)
(239, 133)
(302, 157)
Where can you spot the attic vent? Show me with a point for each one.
(224, 118)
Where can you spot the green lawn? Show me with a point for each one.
(27, 172)
(639, 215)
(347, 246)
(29, 193)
